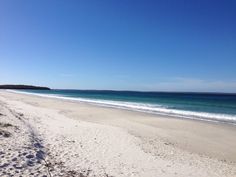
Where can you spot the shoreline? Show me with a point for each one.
(146, 144)
(165, 115)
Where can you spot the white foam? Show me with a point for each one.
(151, 108)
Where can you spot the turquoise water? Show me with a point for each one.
(204, 106)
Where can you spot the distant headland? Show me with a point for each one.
(23, 87)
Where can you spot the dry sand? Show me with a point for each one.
(45, 136)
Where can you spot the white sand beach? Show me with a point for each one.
(52, 137)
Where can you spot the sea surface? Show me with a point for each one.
(202, 106)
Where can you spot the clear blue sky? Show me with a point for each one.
(168, 45)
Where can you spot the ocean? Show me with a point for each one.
(217, 107)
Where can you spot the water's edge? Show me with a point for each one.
(147, 108)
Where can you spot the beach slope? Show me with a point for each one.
(47, 136)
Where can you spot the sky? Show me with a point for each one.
(166, 45)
